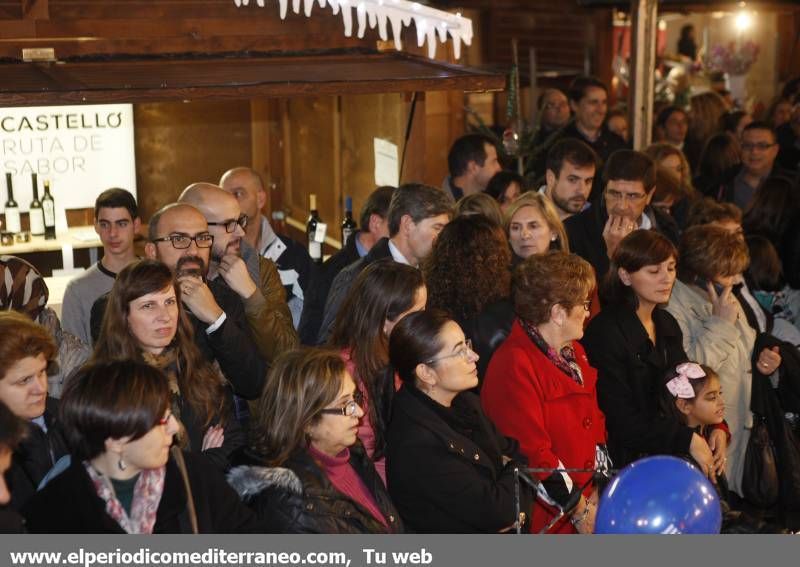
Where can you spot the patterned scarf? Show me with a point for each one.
(564, 360)
(146, 498)
(22, 287)
(167, 362)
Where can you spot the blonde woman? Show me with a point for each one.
(533, 227)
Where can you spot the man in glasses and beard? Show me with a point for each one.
(255, 279)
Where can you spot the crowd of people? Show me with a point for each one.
(608, 306)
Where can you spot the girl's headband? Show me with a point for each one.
(679, 386)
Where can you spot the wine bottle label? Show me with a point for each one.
(346, 234)
(49, 213)
(315, 250)
(12, 221)
(37, 222)
(319, 234)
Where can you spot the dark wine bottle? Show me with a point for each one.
(314, 220)
(35, 211)
(349, 226)
(49, 208)
(11, 209)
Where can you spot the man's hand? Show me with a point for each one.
(234, 271)
(615, 230)
(198, 299)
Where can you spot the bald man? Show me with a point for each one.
(294, 264)
(240, 267)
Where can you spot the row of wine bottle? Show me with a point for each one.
(42, 213)
(315, 228)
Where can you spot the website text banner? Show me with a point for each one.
(396, 551)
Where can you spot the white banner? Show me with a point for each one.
(81, 150)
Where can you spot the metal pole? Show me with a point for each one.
(644, 27)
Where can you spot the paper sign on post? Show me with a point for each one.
(387, 165)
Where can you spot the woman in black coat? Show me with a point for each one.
(449, 470)
(121, 479)
(305, 471)
(633, 343)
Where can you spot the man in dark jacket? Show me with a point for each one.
(630, 181)
(789, 140)
(417, 214)
(759, 151)
(588, 99)
(472, 162)
(374, 226)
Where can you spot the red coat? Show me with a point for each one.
(556, 420)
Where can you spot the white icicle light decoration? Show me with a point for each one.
(429, 22)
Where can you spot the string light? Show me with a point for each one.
(429, 22)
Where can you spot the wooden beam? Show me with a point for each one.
(644, 27)
(35, 9)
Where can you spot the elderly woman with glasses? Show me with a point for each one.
(541, 389)
(449, 471)
(306, 471)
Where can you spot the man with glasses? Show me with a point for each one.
(553, 107)
(291, 258)
(759, 150)
(237, 265)
(630, 181)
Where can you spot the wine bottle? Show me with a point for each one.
(349, 226)
(11, 209)
(35, 211)
(49, 208)
(312, 228)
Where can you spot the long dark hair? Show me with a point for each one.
(639, 249)
(383, 291)
(414, 340)
(199, 384)
(773, 208)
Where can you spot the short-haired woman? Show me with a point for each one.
(382, 294)
(633, 342)
(468, 275)
(306, 471)
(533, 227)
(715, 329)
(449, 470)
(145, 320)
(540, 388)
(121, 478)
(26, 350)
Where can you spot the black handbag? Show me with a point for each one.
(760, 484)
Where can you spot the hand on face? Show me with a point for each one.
(198, 299)
(234, 271)
(615, 230)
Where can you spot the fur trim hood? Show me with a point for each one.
(249, 481)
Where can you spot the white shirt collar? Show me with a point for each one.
(397, 255)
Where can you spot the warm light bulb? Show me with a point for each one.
(743, 22)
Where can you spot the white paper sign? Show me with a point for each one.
(319, 234)
(387, 166)
(81, 150)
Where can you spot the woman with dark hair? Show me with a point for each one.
(449, 471)
(306, 470)
(505, 186)
(383, 293)
(720, 155)
(541, 390)
(716, 331)
(26, 351)
(468, 275)
(145, 321)
(686, 44)
(12, 431)
(633, 343)
(121, 478)
(706, 111)
(765, 279)
(775, 214)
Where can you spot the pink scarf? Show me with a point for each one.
(146, 498)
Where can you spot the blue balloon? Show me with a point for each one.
(659, 495)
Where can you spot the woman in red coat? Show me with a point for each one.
(540, 389)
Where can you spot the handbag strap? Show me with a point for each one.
(177, 454)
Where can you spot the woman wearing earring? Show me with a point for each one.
(449, 471)
(533, 227)
(122, 478)
(145, 321)
(306, 471)
(540, 389)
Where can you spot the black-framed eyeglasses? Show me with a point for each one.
(463, 352)
(183, 241)
(348, 409)
(230, 224)
(761, 146)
